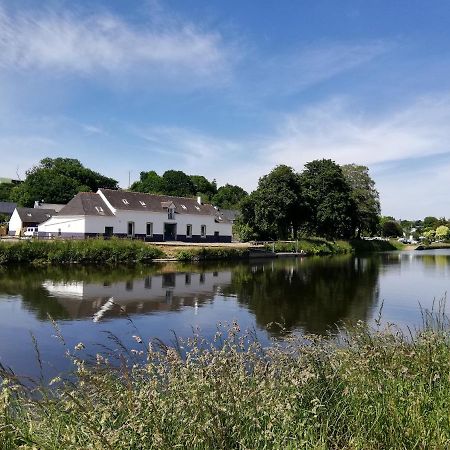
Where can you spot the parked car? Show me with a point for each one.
(31, 232)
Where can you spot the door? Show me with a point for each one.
(170, 231)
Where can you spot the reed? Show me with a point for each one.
(371, 388)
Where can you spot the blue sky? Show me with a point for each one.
(231, 89)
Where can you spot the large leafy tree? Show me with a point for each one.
(177, 183)
(5, 192)
(276, 207)
(229, 196)
(57, 181)
(391, 228)
(203, 187)
(365, 197)
(332, 209)
(149, 182)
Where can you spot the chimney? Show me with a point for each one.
(199, 200)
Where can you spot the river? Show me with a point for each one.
(100, 306)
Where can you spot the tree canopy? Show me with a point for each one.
(57, 181)
(229, 196)
(332, 210)
(365, 197)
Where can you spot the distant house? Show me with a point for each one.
(230, 214)
(55, 206)
(28, 217)
(137, 215)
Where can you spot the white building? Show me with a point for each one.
(137, 215)
(22, 218)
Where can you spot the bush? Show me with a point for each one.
(91, 251)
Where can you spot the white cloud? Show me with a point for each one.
(335, 130)
(69, 42)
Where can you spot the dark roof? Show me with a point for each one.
(86, 204)
(138, 201)
(230, 214)
(35, 215)
(7, 207)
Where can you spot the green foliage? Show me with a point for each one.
(57, 181)
(372, 389)
(177, 183)
(332, 209)
(203, 187)
(89, 251)
(442, 232)
(150, 182)
(5, 192)
(311, 246)
(229, 196)
(391, 228)
(365, 197)
(430, 222)
(210, 253)
(277, 206)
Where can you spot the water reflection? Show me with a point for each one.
(309, 294)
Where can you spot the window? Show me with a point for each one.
(183, 206)
(125, 201)
(59, 231)
(130, 229)
(148, 282)
(28, 214)
(142, 203)
(202, 278)
(187, 278)
(197, 208)
(109, 231)
(189, 231)
(129, 285)
(216, 234)
(203, 231)
(171, 214)
(99, 209)
(149, 229)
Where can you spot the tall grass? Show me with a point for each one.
(371, 390)
(311, 246)
(90, 251)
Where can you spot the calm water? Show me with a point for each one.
(305, 295)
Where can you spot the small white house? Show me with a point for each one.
(22, 218)
(136, 215)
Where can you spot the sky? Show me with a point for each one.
(230, 89)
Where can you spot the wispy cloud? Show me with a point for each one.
(336, 130)
(304, 67)
(102, 42)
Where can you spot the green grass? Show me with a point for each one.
(371, 390)
(90, 251)
(364, 246)
(211, 253)
(311, 246)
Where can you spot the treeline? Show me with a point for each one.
(177, 183)
(58, 180)
(324, 200)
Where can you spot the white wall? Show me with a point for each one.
(67, 225)
(15, 223)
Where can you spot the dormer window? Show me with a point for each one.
(171, 213)
(197, 208)
(99, 209)
(183, 206)
(142, 203)
(125, 201)
(28, 214)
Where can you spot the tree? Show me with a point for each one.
(229, 197)
(442, 232)
(150, 183)
(57, 181)
(203, 187)
(430, 222)
(390, 228)
(365, 196)
(276, 207)
(332, 210)
(177, 183)
(5, 192)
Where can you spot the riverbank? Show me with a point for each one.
(371, 390)
(434, 246)
(117, 251)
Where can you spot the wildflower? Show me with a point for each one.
(137, 339)
(80, 346)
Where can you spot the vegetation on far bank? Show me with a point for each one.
(371, 389)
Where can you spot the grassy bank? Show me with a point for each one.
(364, 246)
(90, 251)
(311, 246)
(378, 391)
